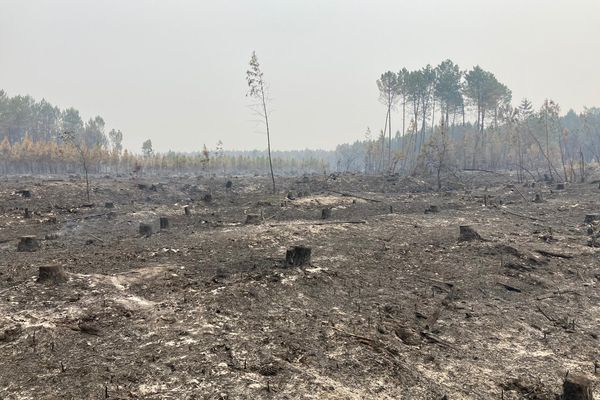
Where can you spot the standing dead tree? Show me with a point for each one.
(436, 153)
(83, 151)
(258, 91)
(389, 89)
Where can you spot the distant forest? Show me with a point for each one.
(435, 121)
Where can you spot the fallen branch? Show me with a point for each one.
(510, 288)
(438, 340)
(522, 195)
(545, 315)
(522, 215)
(558, 293)
(322, 223)
(376, 344)
(344, 194)
(482, 170)
(549, 253)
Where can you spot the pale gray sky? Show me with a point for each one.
(174, 71)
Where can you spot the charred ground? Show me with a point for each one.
(392, 306)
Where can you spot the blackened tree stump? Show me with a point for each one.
(26, 213)
(591, 218)
(228, 185)
(52, 274)
(433, 209)
(24, 193)
(560, 186)
(298, 256)
(538, 198)
(28, 243)
(164, 223)
(577, 387)
(468, 233)
(252, 219)
(326, 213)
(109, 204)
(186, 210)
(145, 230)
(207, 198)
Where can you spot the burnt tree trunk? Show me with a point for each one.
(468, 233)
(164, 223)
(52, 273)
(252, 219)
(577, 388)
(298, 256)
(28, 243)
(432, 209)
(326, 213)
(145, 230)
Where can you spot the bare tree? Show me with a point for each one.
(83, 151)
(258, 91)
(389, 89)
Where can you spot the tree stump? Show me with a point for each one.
(228, 185)
(591, 218)
(326, 213)
(560, 186)
(28, 243)
(187, 211)
(164, 223)
(298, 256)
(109, 204)
(252, 219)
(538, 198)
(26, 213)
(432, 209)
(577, 387)
(207, 198)
(24, 193)
(145, 230)
(52, 274)
(468, 233)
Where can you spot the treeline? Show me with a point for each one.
(22, 116)
(55, 157)
(448, 120)
(453, 119)
(31, 143)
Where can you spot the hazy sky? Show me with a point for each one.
(174, 71)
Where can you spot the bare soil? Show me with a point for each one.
(392, 306)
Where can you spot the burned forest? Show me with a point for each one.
(299, 200)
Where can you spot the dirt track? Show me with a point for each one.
(392, 308)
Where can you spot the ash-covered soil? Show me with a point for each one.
(392, 306)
